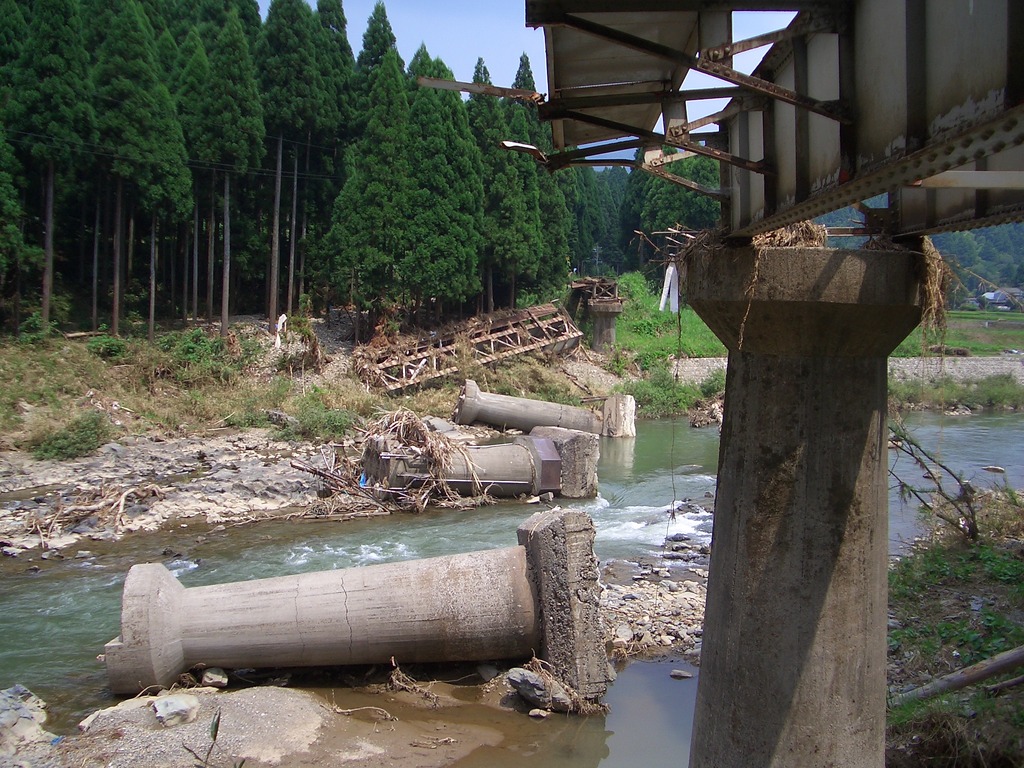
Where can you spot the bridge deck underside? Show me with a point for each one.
(920, 101)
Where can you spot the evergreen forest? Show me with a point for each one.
(163, 161)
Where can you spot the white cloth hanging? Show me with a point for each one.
(670, 289)
(282, 327)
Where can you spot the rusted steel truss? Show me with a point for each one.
(413, 360)
(708, 64)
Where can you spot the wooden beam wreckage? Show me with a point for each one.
(414, 360)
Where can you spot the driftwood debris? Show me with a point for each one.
(347, 483)
(407, 360)
(105, 504)
(983, 670)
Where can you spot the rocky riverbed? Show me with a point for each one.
(141, 485)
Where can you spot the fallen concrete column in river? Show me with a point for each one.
(408, 458)
(506, 412)
(525, 466)
(541, 596)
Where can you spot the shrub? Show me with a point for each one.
(196, 357)
(108, 347)
(1000, 391)
(32, 331)
(713, 385)
(81, 437)
(660, 394)
(317, 420)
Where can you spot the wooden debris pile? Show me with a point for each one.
(803, 234)
(348, 484)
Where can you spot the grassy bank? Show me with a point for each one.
(1001, 392)
(952, 603)
(979, 334)
(53, 391)
(647, 339)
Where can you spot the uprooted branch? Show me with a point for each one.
(958, 506)
(106, 504)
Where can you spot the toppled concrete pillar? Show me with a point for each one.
(469, 607)
(560, 550)
(506, 412)
(794, 653)
(525, 466)
(579, 453)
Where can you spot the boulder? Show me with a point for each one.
(542, 693)
(176, 709)
(22, 715)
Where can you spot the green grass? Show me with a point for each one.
(957, 604)
(992, 392)
(650, 337)
(919, 585)
(658, 394)
(981, 334)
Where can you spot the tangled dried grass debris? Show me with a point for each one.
(348, 492)
(577, 704)
(803, 234)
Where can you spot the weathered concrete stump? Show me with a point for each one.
(506, 412)
(604, 313)
(471, 607)
(560, 550)
(579, 452)
(793, 662)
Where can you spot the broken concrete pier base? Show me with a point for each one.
(579, 453)
(507, 412)
(793, 663)
(527, 466)
(471, 607)
(559, 547)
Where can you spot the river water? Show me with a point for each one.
(55, 621)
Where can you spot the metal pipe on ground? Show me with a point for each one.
(500, 604)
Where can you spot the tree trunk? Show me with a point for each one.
(209, 247)
(115, 314)
(226, 282)
(130, 265)
(184, 273)
(96, 267)
(152, 278)
(48, 248)
(305, 220)
(275, 239)
(195, 256)
(293, 233)
(983, 670)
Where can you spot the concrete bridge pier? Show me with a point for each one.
(538, 597)
(793, 663)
